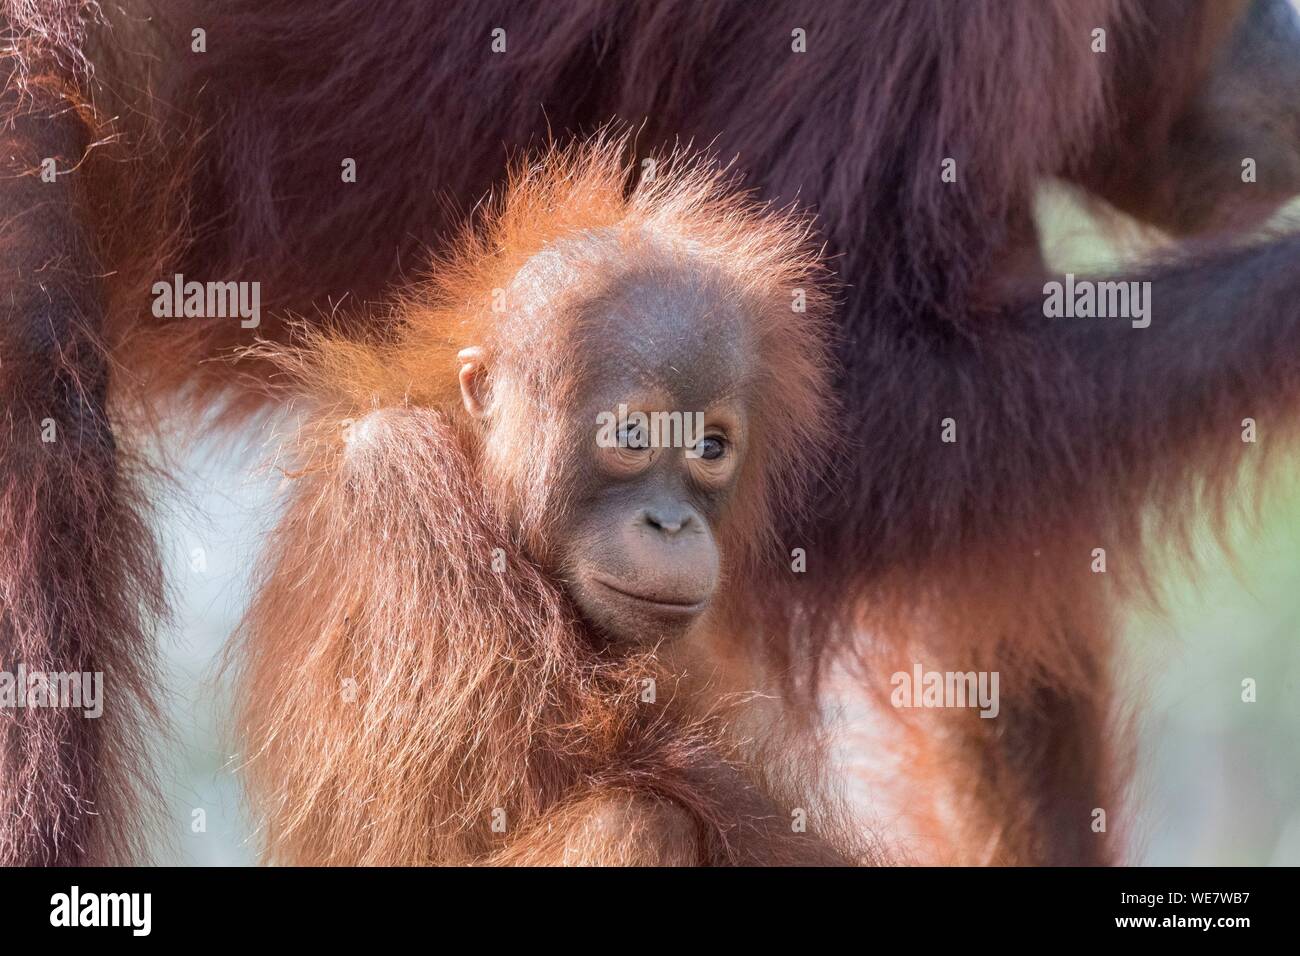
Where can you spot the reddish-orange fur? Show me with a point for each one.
(224, 165)
(478, 691)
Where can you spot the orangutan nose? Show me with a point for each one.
(668, 521)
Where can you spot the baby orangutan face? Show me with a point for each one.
(660, 424)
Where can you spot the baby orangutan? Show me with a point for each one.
(504, 619)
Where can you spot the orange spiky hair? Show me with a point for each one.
(574, 203)
(400, 573)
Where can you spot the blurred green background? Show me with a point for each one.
(1218, 779)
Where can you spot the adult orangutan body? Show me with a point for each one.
(224, 165)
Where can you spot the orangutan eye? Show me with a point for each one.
(712, 448)
(633, 436)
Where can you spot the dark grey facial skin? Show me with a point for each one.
(641, 558)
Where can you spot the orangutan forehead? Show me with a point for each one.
(663, 312)
(653, 312)
(669, 332)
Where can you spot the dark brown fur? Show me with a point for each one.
(970, 553)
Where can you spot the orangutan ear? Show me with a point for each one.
(473, 379)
